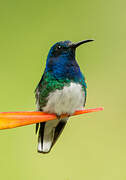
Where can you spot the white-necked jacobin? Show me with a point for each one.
(61, 90)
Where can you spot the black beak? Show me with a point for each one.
(75, 45)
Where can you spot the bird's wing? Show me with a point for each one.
(51, 130)
(37, 92)
(84, 86)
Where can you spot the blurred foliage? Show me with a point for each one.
(92, 147)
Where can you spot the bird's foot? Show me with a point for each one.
(63, 116)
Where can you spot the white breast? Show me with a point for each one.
(67, 100)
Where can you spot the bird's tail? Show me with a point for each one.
(49, 133)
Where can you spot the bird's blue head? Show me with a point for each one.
(61, 60)
(60, 49)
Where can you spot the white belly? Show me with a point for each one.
(67, 100)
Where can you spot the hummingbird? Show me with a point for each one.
(61, 90)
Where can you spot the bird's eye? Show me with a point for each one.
(59, 47)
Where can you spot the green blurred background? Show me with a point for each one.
(93, 146)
